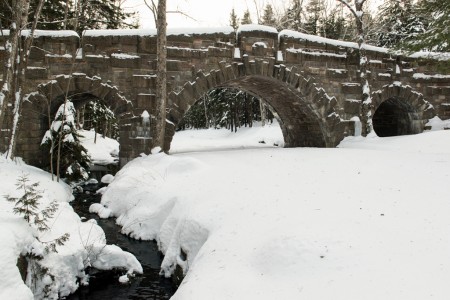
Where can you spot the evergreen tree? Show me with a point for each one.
(222, 108)
(436, 36)
(398, 21)
(313, 10)
(100, 14)
(28, 205)
(246, 19)
(268, 17)
(234, 20)
(72, 157)
(75, 15)
(335, 26)
(100, 117)
(293, 18)
(52, 14)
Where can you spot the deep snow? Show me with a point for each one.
(85, 247)
(367, 220)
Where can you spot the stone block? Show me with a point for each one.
(351, 88)
(36, 73)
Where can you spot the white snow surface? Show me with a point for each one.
(152, 32)
(104, 152)
(86, 245)
(366, 220)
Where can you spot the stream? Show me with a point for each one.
(105, 284)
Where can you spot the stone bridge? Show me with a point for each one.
(310, 83)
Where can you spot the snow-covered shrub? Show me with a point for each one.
(69, 157)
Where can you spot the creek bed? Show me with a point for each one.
(105, 284)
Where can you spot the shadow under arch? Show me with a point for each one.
(307, 115)
(40, 106)
(399, 110)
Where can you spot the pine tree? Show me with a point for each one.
(436, 36)
(73, 158)
(335, 26)
(246, 19)
(234, 20)
(101, 119)
(75, 15)
(293, 18)
(399, 21)
(268, 17)
(313, 10)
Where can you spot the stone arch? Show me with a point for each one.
(307, 115)
(42, 104)
(399, 110)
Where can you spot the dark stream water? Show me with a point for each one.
(105, 285)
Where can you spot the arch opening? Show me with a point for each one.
(227, 118)
(40, 107)
(395, 117)
(306, 114)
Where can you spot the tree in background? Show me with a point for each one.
(294, 15)
(100, 118)
(398, 21)
(313, 17)
(436, 36)
(246, 19)
(224, 108)
(234, 20)
(75, 15)
(335, 26)
(268, 17)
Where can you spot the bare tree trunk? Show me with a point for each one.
(161, 80)
(66, 14)
(22, 66)
(12, 51)
(206, 112)
(262, 108)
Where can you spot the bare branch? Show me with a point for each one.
(153, 8)
(352, 10)
(181, 13)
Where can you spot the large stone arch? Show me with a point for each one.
(308, 116)
(40, 106)
(399, 110)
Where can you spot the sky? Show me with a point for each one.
(212, 13)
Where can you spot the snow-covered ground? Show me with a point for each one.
(104, 151)
(86, 245)
(367, 220)
(223, 139)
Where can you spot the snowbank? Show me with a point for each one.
(85, 247)
(368, 220)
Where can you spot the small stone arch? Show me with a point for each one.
(399, 110)
(39, 106)
(307, 115)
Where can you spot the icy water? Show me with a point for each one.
(105, 285)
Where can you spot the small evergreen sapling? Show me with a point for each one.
(63, 141)
(29, 207)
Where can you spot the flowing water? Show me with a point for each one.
(105, 285)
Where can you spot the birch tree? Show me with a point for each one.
(366, 100)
